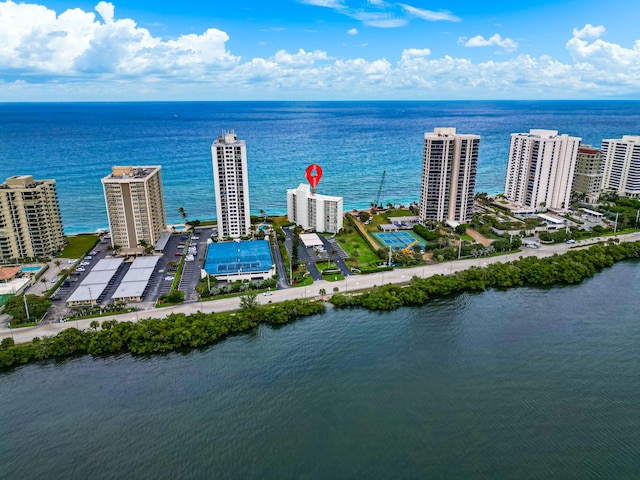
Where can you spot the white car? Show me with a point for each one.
(169, 278)
(80, 269)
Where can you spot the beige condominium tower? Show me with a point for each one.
(448, 176)
(231, 184)
(30, 223)
(587, 178)
(135, 207)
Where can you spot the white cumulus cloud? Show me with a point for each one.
(495, 40)
(589, 31)
(352, 31)
(94, 55)
(300, 58)
(416, 52)
(606, 55)
(34, 38)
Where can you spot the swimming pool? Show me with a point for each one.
(29, 269)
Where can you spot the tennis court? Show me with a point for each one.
(398, 240)
(238, 257)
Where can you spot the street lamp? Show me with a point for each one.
(26, 307)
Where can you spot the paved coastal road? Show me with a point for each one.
(349, 284)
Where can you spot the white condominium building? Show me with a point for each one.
(540, 169)
(231, 183)
(622, 165)
(30, 223)
(313, 211)
(587, 180)
(448, 176)
(135, 207)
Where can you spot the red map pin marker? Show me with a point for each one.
(314, 173)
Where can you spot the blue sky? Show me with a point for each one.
(318, 50)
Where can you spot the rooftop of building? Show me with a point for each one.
(128, 173)
(588, 149)
(23, 182)
(448, 132)
(228, 138)
(7, 273)
(305, 189)
(624, 139)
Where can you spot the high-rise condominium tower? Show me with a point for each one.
(135, 206)
(448, 176)
(30, 223)
(622, 165)
(587, 180)
(540, 169)
(231, 182)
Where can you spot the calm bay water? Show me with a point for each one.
(525, 383)
(354, 142)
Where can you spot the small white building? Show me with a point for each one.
(313, 211)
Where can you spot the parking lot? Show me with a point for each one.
(192, 246)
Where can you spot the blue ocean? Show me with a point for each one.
(355, 142)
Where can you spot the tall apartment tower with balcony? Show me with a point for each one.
(231, 184)
(587, 179)
(448, 176)
(30, 222)
(135, 207)
(622, 165)
(540, 169)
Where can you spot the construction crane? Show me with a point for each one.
(374, 205)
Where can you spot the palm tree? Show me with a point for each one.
(183, 214)
(143, 243)
(57, 263)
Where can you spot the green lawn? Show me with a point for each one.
(357, 248)
(399, 213)
(4, 298)
(332, 277)
(79, 245)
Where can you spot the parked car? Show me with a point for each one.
(80, 269)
